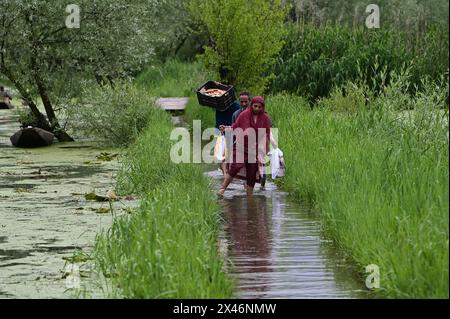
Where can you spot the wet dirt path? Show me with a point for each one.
(276, 248)
(44, 216)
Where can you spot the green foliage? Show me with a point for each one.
(349, 98)
(431, 54)
(177, 25)
(413, 16)
(317, 59)
(37, 41)
(173, 78)
(246, 36)
(167, 249)
(114, 116)
(196, 112)
(27, 118)
(379, 178)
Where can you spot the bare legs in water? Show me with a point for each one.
(227, 182)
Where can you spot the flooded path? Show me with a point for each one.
(277, 250)
(44, 216)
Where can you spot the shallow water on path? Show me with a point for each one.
(44, 216)
(277, 249)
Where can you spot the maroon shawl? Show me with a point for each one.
(245, 121)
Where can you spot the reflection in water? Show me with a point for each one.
(250, 235)
(277, 250)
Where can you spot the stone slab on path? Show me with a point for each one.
(173, 104)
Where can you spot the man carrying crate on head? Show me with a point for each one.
(225, 118)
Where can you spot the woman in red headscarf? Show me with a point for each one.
(252, 130)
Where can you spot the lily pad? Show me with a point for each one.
(22, 190)
(78, 256)
(24, 162)
(94, 197)
(102, 210)
(106, 157)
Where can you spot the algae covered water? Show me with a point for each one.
(44, 215)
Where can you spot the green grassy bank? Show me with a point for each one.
(168, 248)
(379, 181)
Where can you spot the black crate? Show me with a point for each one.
(220, 103)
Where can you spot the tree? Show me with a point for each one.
(245, 37)
(41, 56)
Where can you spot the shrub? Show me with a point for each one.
(173, 78)
(114, 116)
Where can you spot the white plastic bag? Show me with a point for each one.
(277, 163)
(220, 149)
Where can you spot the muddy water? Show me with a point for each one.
(44, 215)
(276, 248)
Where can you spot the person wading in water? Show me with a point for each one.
(252, 130)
